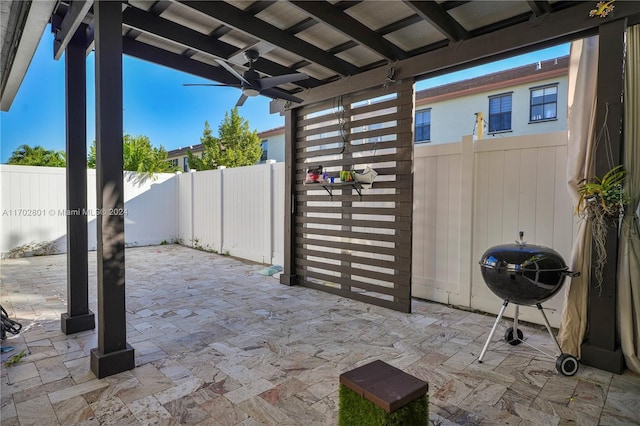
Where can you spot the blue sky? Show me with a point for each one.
(156, 104)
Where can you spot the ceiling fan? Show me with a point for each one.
(252, 84)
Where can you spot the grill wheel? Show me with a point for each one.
(567, 365)
(508, 336)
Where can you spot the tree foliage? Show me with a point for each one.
(139, 155)
(26, 155)
(235, 145)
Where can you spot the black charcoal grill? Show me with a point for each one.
(526, 274)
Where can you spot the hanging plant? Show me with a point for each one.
(601, 202)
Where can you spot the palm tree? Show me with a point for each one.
(25, 155)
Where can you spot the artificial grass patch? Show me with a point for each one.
(356, 410)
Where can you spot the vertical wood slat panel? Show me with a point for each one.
(373, 127)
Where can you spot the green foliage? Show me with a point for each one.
(139, 155)
(606, 191)
(235, 145)
(25, 155)
(601, 200)
(15, 359)
(358, 411)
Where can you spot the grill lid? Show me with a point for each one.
(523, 273)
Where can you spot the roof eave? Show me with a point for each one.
(16, 67)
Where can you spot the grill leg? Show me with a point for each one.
(493, 330)
(515, 322)
(546, 322)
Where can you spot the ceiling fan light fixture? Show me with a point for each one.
(250, 91)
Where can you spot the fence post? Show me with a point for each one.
(192, 204)
(467, 183)
(176, 178)
(221, 208)
(270, 197)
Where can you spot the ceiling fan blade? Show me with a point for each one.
(232, 71)
(269, 82)
(211, 84)
(280, 94)
(240, 102)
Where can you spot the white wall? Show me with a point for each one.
(33, 207)
(275, 147)
(453, 118)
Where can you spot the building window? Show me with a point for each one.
(500, 113)
(264, 145)
(544, 103)
(185, 164)
(173, 162)
(423, 126)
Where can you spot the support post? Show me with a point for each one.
(113, 354)
(601, 348)
(78, 316)
(288, 276)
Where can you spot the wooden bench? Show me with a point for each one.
(385, 386)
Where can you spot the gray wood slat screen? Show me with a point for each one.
(357, 245)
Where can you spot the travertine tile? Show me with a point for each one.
(149, 411)
(51, 369)
(37, 411)
(8, 409)
(182, 387)
(262, 413)
(112, 411)
(223, 412)
(186, 410)
(73, 411)
(590, 392)
(77, 390)
(248, 391)
(218, 344)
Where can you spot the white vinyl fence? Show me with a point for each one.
(237, 211)
(468, 196)
(471, 195)
(232, 211)
(33, 208)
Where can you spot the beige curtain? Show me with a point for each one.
(629, 260)
(583, 74)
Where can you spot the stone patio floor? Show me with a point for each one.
(216, 343)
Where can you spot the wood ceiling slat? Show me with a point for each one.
(350, 27)
(149, 23)
(179, 62)
(242, 21)
(440, 19)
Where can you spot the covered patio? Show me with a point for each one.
(196, 338)
(219, 344)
